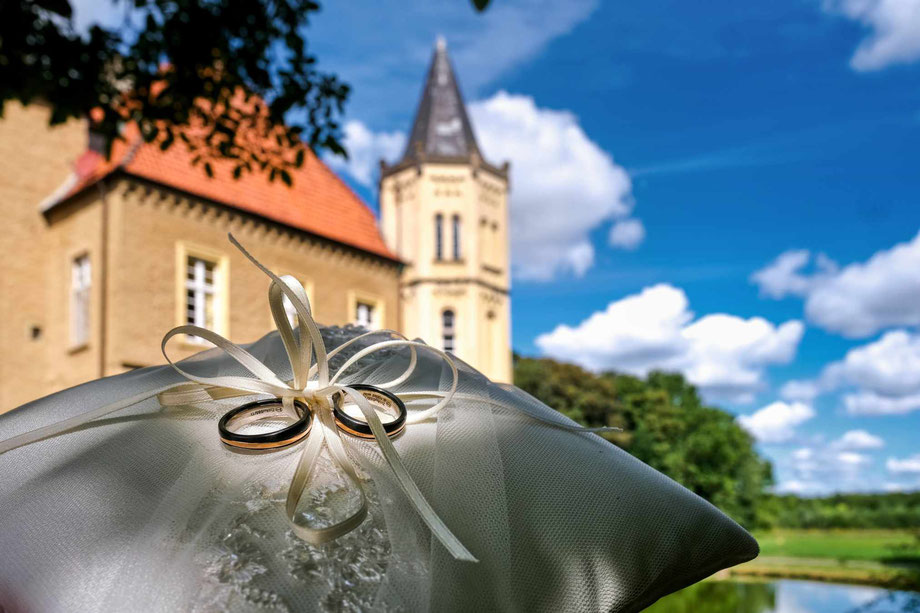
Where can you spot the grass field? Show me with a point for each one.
(875, 557)
(876, 545)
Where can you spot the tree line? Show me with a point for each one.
(666, 424)
(897, 510)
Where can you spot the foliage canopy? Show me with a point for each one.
(665, 424)
(891, 511)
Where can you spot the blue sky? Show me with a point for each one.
(730, 135)
(662, 154)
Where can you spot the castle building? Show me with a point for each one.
(444, 212)
(100, 257)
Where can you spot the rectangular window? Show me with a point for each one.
(496, 247)
(447, 330)
(456, 232)
(439, 237)
(200, 294)
(365, 315)
(80, 283)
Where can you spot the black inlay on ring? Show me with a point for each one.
(278, 436)
(362, 428)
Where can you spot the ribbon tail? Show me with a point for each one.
(185, 394)
(62, 426)
(324, 433)
(427, 396)
(437, 526)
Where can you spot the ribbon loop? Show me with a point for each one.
(313, 384)
(298, 349)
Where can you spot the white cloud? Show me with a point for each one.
(365, 150)
(894, 36)
(579, 259)
(906, 465)
(804, 390)
(805, 453)
(784, 276)
(795, 486)
(632, 334)
(857, 300)
(858, 439)
(563, 184)
(781, 277)
(870, 403)
(864, 298)
(889, 366)
(627, 234)
(822, 468)
(851, 458)
(776, 422)
(723, 354)
(883, 377)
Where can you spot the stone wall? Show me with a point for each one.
(37, 159)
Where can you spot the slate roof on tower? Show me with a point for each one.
(442, 131)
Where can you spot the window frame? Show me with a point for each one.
(220, 282)
(374, 301)
(200, 288)
(81, 332)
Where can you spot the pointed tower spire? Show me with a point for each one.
(444, 212)
(441, 128)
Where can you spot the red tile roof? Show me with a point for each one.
(319, 202)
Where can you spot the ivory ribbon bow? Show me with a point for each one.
(312, 384)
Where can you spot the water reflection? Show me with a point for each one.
(785, 596)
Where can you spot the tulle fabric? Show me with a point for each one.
(147, 510)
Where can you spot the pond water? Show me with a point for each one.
(785, 596)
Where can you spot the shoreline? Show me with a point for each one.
(849, 572)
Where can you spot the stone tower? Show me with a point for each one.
(444, 211)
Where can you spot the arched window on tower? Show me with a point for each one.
(455, 224)
(482, 238)
(448, 338)
(496, 246)
(439, 237)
